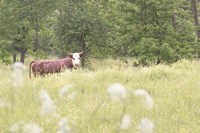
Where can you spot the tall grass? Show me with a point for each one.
(78, 101)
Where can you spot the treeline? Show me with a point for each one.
(153, 31)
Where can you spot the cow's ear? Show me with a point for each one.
(81, 53)
(70, 55)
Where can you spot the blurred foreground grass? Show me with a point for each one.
(81, 97)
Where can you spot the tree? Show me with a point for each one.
(159, 31)
(23, 24)
(196, 19)
(153, 31)
(80, 26)
(15, 28)
(194, 4)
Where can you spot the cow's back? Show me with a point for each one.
(52, 66)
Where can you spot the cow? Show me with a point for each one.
(42, 67)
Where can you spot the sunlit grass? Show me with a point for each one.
(82, 103)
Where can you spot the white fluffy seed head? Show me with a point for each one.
(32, 128)
(17, 76)
(18, 66)
(44, 96)
(126, 121)
(72, 95)
(145, 126)
(117, 91)
(16, 127)
(48, 108)
(64, 90)
(147, 99)
(63, 126)
(4, 104)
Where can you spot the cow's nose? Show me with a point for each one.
(76, 64)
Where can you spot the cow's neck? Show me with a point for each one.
(68, 62)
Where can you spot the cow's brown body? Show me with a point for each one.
(42, 67)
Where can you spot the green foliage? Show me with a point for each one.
(150, 51)
(102, 28)
(21, 20)
(5, 56)
(151, 35)
(38, 54)
(81, 27)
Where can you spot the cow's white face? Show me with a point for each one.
(76, 58)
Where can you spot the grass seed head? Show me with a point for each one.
(64, 90)
(126, 121)
(148, 100)
(32, 128)
(63, 126)
(145, 126)
(17, 76)
(117, 91)
(16, 127)
(48, 108)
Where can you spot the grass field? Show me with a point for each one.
(159, 99)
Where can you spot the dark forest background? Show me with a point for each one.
(152, 31)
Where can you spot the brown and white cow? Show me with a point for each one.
(42, 67)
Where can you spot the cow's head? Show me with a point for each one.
(76, 58)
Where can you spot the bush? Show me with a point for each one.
(4, 57)
(39, 54)
(150, 51)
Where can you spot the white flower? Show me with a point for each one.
(64, 90)
(125, 123)
(31, 128)
(48, 108)
(16, 127)
(63, 126)
(18, 66)
(117, 91)
(72, 95)
(145, 126)
(148, 100)
(17, 77)
(3, 104)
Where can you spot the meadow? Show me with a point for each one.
(110, 97)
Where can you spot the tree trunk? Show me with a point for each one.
(22, 54)
(196, 21)
(82, 43)
(22, 57)
(36, 36)
(174, 21)
(14, 57)
(125, 49)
